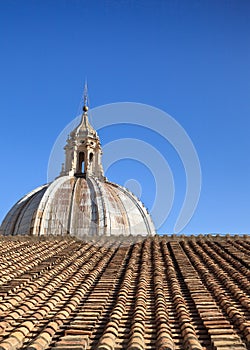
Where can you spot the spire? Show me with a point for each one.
(85, 128)
(85, 97)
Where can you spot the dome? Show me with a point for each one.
(81, 201)
(79, 207)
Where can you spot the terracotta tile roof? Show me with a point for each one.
(160, 293)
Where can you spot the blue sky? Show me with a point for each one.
(188, 58)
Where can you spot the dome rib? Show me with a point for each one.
(122, 212)
(101, 206)
(71, 207)
(25, 220)
(45, 208)
(81, 215)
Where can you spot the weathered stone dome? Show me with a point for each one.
(79, 207)
(80, 201)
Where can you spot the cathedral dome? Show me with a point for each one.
(79, 207)
(81, 201)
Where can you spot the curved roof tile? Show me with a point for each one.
(124, 293)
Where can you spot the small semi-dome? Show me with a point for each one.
(81, 201)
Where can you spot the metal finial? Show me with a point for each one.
(85, 97)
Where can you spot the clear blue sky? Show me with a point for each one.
(188, 58)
